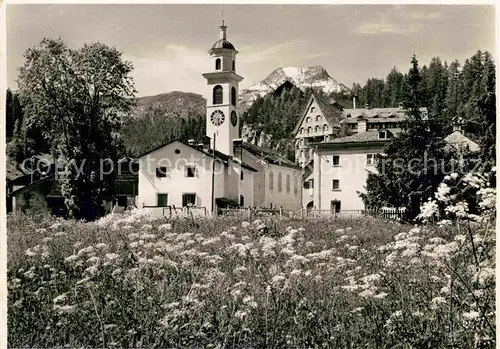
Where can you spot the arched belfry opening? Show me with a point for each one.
(217, 64)
(218, 94)
(233, 95)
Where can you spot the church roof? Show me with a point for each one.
(270, 156)
(332, 113)
(222, 43)
(221, 156)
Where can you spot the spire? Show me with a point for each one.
(223, 31)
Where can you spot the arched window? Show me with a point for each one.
(280, 188)
(325, 127)
(233, 95)
(308, 119)
(317, 117)
(309, 129)
(217, 64)
(316, 128)
(218, 94)
(301, 130)
(287, 184)
(234, 65)
(271, 181)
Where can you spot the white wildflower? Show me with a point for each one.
(381, 295)
(470, 316)
(437, 301)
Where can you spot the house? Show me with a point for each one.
(319, 121)
(341, 167)
(39, 191)
(222, 169)
(337, 148)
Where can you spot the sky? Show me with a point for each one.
(168, 44)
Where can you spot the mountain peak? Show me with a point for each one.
(302, 77)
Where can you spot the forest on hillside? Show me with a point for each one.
(449, 90)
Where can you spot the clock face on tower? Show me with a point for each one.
(234, 118)
(217, 118)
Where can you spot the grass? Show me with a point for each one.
(270, 283)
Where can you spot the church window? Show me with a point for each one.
(217, 64)
(161, 171)
(287, 184)
(242, 200)
(233, 95)
(234, 65)
(217, 95)
(190, 171)
(271, 180)
(280, 188)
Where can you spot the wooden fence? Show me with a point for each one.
(312, 214)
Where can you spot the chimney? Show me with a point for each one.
(206, 142)
(362, 126)
(353, 102)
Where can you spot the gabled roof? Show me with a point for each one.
(209, 152)
(332, 113)
(376, 114)
(458, 140)
(37, 175)
(270, 156)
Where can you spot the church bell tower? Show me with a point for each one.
(222, 117)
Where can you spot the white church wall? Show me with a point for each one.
(258, 179)
(276, 198)
(175, 184)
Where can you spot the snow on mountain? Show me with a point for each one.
(316, 77)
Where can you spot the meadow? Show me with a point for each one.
(130, 281)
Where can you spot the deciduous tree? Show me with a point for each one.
(76, 99)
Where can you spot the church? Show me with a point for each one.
(222, 170)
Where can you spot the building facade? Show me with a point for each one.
(318, 122)
(223, 168)
(337, 148)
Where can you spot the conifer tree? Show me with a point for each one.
(411, 168)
